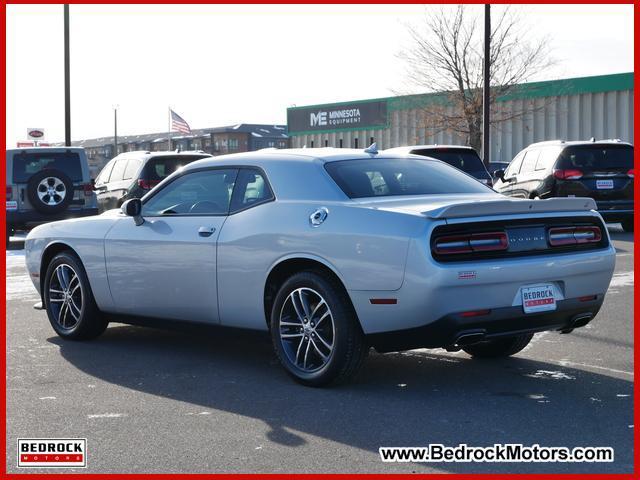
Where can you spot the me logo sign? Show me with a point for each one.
(364, 114)
(318, 119)
(52, 452)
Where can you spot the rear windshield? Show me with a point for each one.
(597, 157)
(161, 167)
(461, 158)
(25, 165)
(390, 177)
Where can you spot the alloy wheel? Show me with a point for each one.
(307, 330)
(65, 296)
(51, 191)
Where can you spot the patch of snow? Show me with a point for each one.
(235, 127)
(107, 415)
(550, 374)
(622, 279)
(276, 127)
(18, 283)
(256, 134)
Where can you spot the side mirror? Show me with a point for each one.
(133, 208)
(499, 174)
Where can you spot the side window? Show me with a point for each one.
(547, 158)
(133, 165)
(514, 166)
(118, 170)
(251, 189)
(104, 175)
(529, 161)
(207, 192)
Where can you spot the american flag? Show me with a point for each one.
(178, 123)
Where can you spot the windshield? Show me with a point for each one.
(390, 177)
(597, 157)
(461, 158)
(159, 168)
(26, 164)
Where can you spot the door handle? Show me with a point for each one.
(206, 231)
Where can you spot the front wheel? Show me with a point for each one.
(500, 347)
(314, 330)
(69, 302)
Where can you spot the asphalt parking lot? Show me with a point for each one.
(161, 401)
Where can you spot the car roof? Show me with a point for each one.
(302, 155)
(44, 149)
(435, 146)
(566, 143)
(145, 154)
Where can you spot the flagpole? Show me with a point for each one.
(169, 135)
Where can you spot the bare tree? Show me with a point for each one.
(447, 55)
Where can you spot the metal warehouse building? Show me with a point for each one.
(569, 109)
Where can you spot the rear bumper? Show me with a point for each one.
(615, 210)
(508, 321)
(18, 219)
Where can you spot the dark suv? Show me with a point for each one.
(132, 174)
(462, 157)
(602, 170)
(46, 184)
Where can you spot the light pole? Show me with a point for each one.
(115, 130)
(486, 142)
(67, 84)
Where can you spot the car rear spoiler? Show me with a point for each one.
(515, 206)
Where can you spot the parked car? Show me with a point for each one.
(46, 184)
(333, 251)
(132, 174)
(462, 157)
(601, 170)
(495, 166)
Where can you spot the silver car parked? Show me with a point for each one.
(333, 251)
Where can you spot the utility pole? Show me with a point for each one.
(115, 130)
(486, 99)
(67, 80)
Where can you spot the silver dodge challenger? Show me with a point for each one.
(333, 251)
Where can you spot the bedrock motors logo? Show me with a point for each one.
(52, 452)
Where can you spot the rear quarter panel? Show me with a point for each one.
(366, 248)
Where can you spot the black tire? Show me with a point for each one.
(78, 323)
(627, 225)
(500, 347)
(348, 343)
(56, 203)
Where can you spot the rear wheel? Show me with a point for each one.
(314, 330)
(500, 347)
(627, 225)
(69, 302)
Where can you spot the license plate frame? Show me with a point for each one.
(604, 184)
(538, 298)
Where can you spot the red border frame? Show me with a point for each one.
(3, 332)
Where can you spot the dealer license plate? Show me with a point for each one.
(12, 205)
(604, 184)
(540, 298)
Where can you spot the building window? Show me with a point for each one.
(326, 142)
(312, 144)
(371, 141)
(282, 144)
(355, 143)
(233, 144)
(340, 143)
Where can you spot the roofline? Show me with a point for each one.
(547, 88)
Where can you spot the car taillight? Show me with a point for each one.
(88, 189)
(469, 243)
(9, 193)
(147, 184)
(570, 174)
(561, 236)
(631, 173)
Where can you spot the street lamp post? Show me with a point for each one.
(486, 99)
(67, 82)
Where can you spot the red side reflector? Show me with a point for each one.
(588, 298)
(383, 301)
(475, 313)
